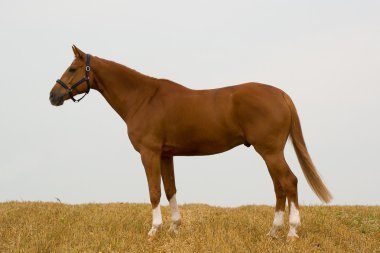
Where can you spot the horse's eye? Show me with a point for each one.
(72, 70)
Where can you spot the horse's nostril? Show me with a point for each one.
(56, 98)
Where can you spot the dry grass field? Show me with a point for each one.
(54, 227)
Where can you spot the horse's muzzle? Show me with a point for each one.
(56, 98)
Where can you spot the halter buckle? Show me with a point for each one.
(88, 68)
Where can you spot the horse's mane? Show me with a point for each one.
(161, 81)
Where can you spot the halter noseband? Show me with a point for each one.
(84, 79)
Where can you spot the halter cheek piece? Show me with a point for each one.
(86, 79)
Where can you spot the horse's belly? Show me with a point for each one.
(201, 145)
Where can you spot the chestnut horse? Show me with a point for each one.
(166, 119)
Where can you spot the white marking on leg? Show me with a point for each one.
(174, 209)
(157, 220)
(278, 222)
(157, 217)
(278, 219)
(176, 216)
(294, 220)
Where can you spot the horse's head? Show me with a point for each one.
(75, 80)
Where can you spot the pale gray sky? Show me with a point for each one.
(324, 54)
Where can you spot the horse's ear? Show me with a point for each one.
(77, 52)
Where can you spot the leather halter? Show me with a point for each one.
(86, 79)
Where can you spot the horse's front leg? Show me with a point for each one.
(167, 172)
(152, 164)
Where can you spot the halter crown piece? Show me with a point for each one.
(86, 79)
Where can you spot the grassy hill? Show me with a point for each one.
(54, 227)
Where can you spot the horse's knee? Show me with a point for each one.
(169, 192)
(155, 196)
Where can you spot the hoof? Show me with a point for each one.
(272, 235)
(273, 232)
(174, 227)
(153, 231)
(292, 238)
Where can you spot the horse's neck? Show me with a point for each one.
(123, 88)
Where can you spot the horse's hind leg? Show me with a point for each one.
(167, 173)
(284, 178)
(278, 220)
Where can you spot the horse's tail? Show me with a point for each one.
(303, 156)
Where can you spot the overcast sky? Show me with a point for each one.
(324, 54)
